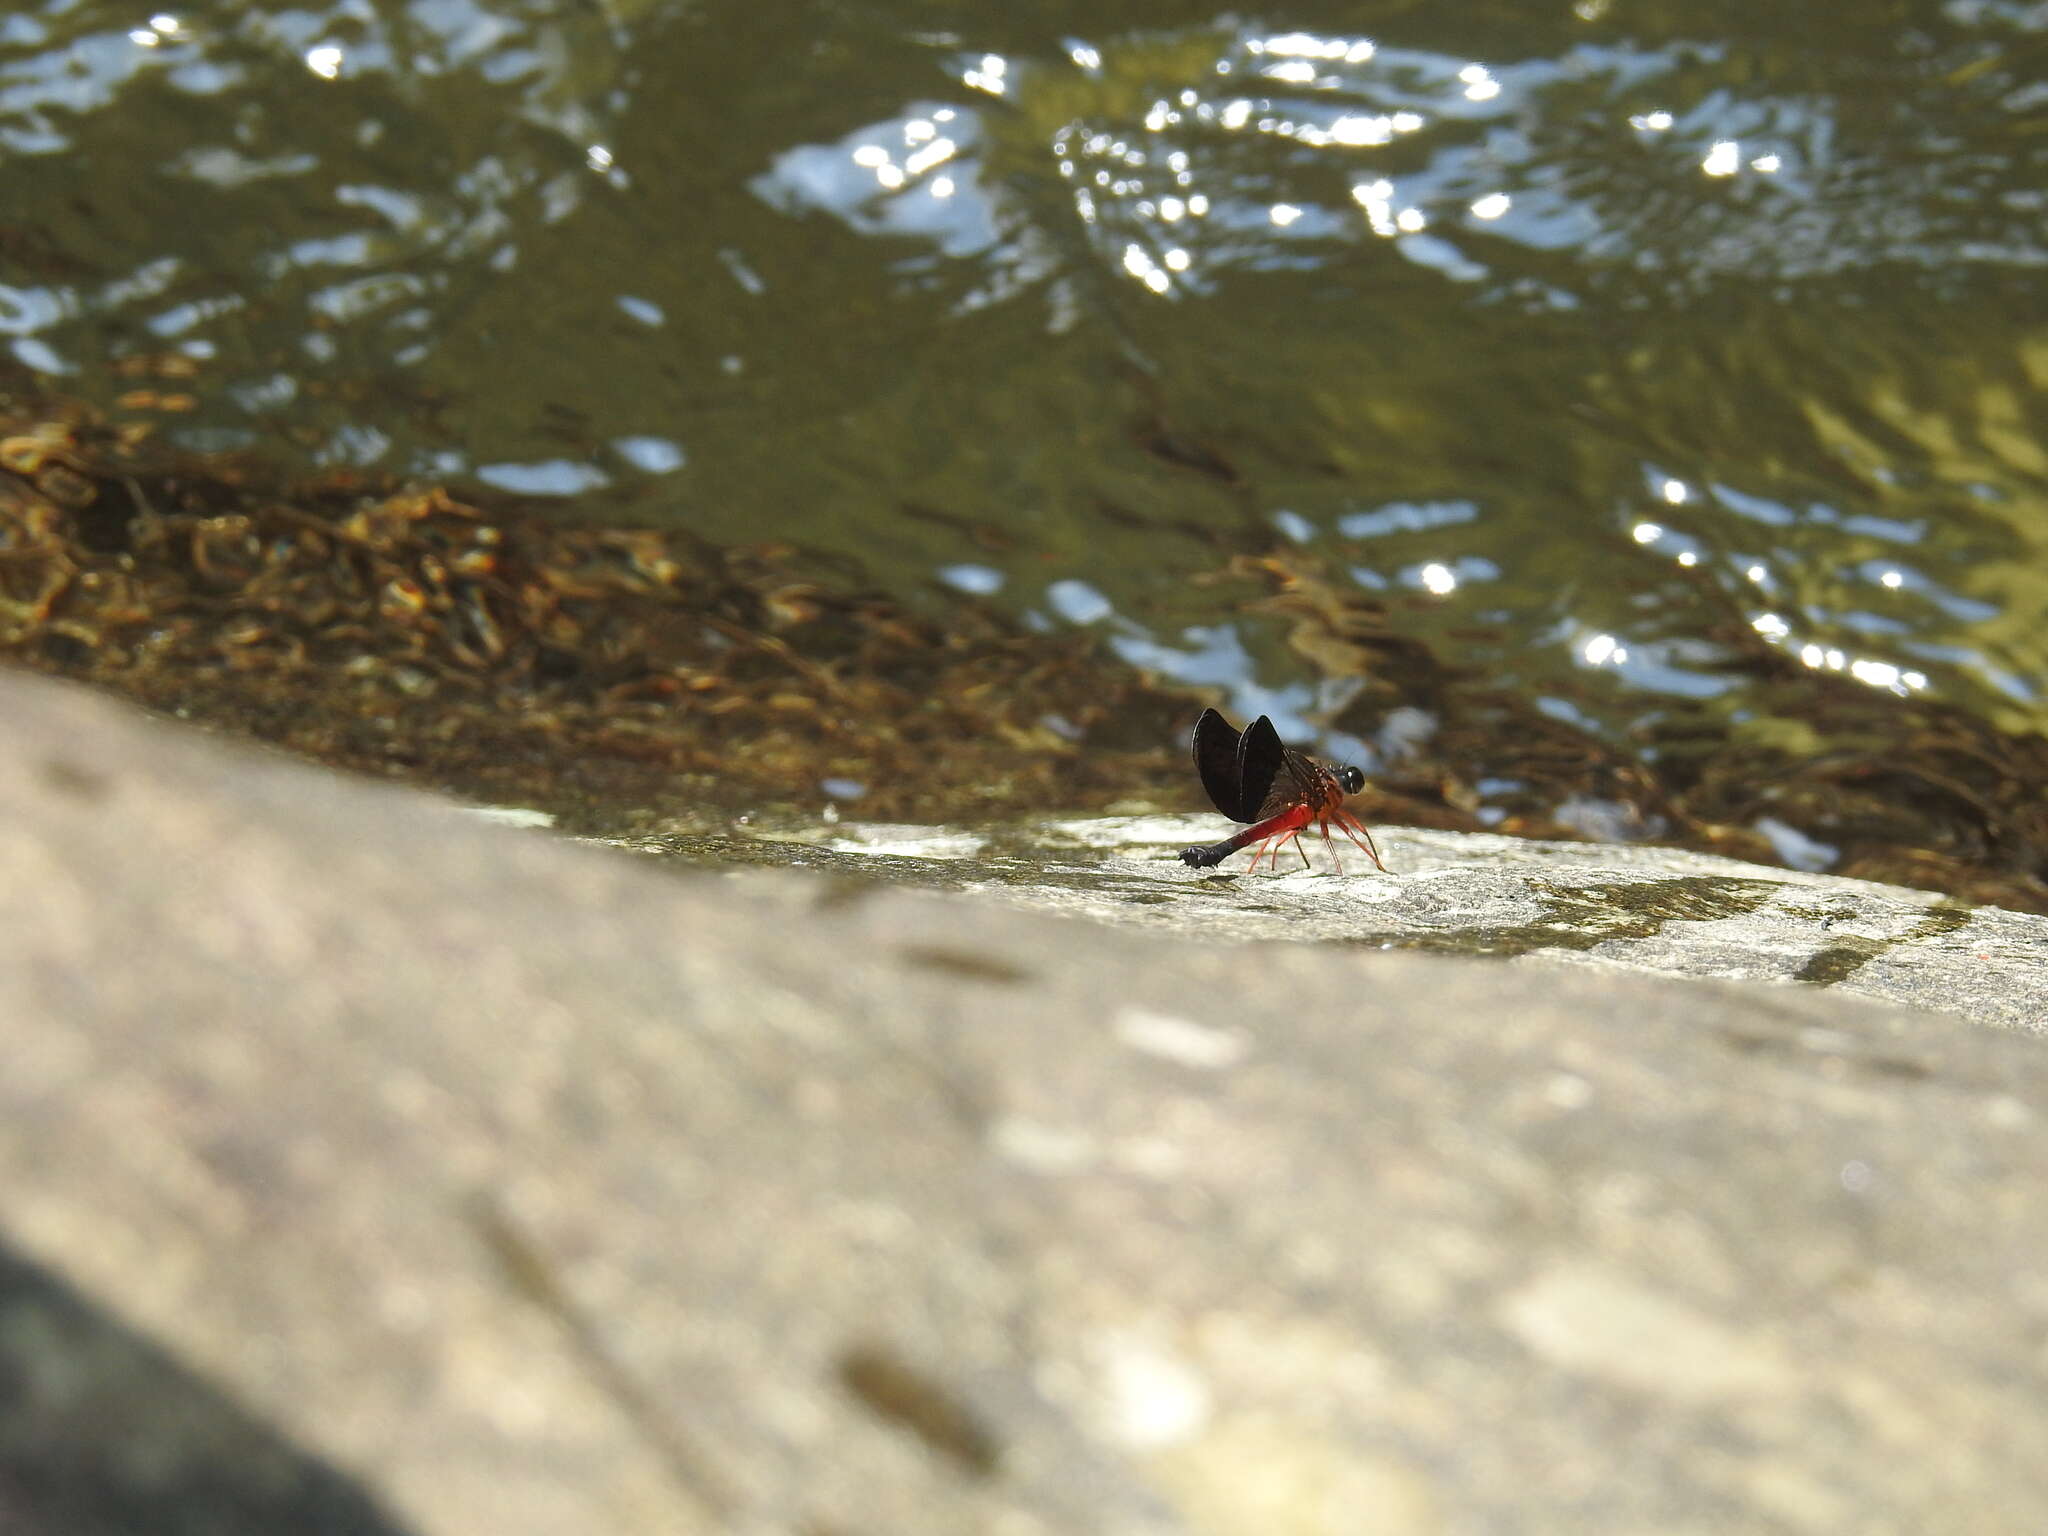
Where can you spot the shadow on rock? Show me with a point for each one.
(104, 1434)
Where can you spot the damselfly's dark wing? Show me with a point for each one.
(1237, 769)
(1215, 748)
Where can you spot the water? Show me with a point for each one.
(1618, 418)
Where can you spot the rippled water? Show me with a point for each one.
(1629, 359)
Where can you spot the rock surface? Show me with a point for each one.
(519, 1187)
(1660, 910)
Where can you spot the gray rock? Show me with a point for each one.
(1660, 910)
(544, 1190)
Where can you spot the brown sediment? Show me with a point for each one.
(619, 677)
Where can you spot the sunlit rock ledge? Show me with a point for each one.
(367, 1167)
(1660, 910)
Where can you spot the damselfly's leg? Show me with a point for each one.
(1324, 828)
(1354, 829)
